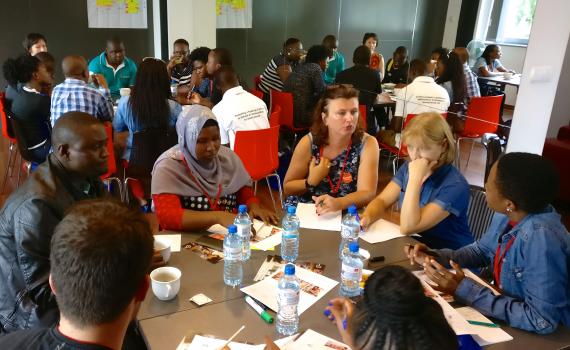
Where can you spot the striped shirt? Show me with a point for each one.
(76, 95)
(181, 74)
(270, 80)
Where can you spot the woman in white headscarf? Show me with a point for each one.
(197, 183)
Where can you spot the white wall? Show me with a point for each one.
(513, 58)
(193, 20)
(451, 22)
(561, 109)
(539, 83)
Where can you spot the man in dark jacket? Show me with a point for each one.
(30, 214)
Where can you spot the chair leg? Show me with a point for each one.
(255, 188)
(469, 155)
(10, 160)
(458, 153)
(19, 172)
(279, 187)
(271, 193)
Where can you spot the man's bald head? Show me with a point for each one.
(462, 53)
(227, 78)
(75, 66)
(71, 127)
(79, 141)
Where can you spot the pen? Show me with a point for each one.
(485, 324)
(260, 311)
(377, 258)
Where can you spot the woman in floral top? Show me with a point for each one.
(335, 165)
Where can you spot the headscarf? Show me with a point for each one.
(171, 175)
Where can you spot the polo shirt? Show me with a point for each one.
(422, 95)
(239, 110)
(44, 338)
(335, 66)
(447, 188)
(270, 80)
(396, 75)
(122, 77)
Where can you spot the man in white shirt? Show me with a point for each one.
(238, 110)
(422, 95)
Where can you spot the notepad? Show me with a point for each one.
(483, 335)
(309, 219)
(313, 340)
(381, 231)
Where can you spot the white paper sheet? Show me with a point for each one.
(175, 241)
(313, 340)
(206, 343)
(313, 288)
(483, 335)
(117, 14)
(267, 236)
(381, 231)
(309, 219)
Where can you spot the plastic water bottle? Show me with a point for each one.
(350, 229)
(351, 272)
(233, 270)
(174, 88)
(290, 235)
(288, 300)
(243, 223)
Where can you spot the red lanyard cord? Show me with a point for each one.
(498, 261)
(334, 189)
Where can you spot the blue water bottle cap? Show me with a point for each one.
(232, 229)
(353, 247)
(242, 208)
(289, 269)
(291, 210)
(352, 210)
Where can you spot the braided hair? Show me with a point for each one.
(395, 314)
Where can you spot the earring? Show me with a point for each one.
(509, 210)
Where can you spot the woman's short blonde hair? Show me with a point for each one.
(431, 127)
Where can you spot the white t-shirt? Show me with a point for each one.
(239, 110)
(422, 95)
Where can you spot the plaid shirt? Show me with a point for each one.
(76, 95)
(472, 85)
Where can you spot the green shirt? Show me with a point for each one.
(122, 77)
(336, 65)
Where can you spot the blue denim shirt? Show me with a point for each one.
(534, 276)
(447, 188)
(125, 121)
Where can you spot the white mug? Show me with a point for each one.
(507, 75)
(162, 245)
(125, 91)
(165, 282)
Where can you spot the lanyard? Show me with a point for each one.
(334, 189)
(498, 261)
(213, 204)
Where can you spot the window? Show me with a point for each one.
(505, 21)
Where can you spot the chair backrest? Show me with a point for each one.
(7, 131)
(494, 151)
(256, 81)
(362, 111)
(275, 117)
(483, 115)
(285, 101)
(479, 215)
(258, 150)
(257, 93)
(111, 161)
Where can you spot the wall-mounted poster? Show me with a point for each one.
(117, 14)
(233, 13)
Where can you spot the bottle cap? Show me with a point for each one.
(232, 229)
(353, 247)
(352, 209)
(291, 209)
(242, 208)
(289, 269)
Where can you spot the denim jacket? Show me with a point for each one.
(535, 276)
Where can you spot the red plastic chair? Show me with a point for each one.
(108, 177)
(483, 115)
(275, 117)
(8, 134)
(285, 101)
(257, 93)
(258, 150)
(256, 81)
(363, 114)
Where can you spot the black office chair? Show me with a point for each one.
(147, 146)
(479, 215)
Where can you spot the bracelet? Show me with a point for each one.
(308, 186)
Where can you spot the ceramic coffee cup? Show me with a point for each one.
(125, 91)
(165, 282)
(507, 75)
(162, 245)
